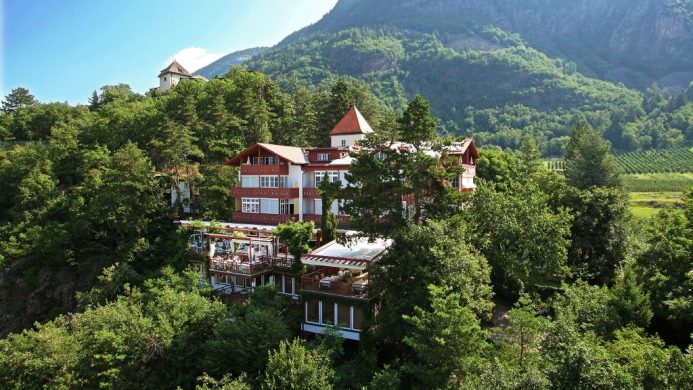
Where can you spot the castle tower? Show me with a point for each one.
(351, 128)
(172, 75)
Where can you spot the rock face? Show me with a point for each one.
(636, 42)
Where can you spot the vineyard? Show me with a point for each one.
(675, 160)
(657, 161)
(656, 182)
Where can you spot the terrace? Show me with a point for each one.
(333, 281)
(241, 264)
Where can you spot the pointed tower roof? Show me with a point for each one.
(352, 123)
(175, 67)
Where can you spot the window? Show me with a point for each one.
(313, 311)
(164, 78)
(250, 181)
(332, 176)
(284, 181)
(358, 318)
(343, 315)
(250, 205)
(317, 207)
(455, 183)
(323, 157)
(269, 181)
(343, 143)
(284, 206)
(269, 206)
(380, 155)
(265, 160)
(288, 284)
(327, 313)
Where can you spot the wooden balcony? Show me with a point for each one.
(327, 281)
(342, 220)
(469, 170)
(261, 219)
(240, 264)
(279, 193)
(284, 263)
(276, 169)
(311, 193)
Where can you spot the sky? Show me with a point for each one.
(63, 50)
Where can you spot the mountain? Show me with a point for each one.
(503, 69)
(220, 66)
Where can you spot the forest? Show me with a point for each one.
(539, 279)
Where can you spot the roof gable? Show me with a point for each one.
(175, 67)
(352, 123)
(291, 154)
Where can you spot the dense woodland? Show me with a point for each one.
(537, 280)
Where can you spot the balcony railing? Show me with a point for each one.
(330, 281)
(262, 219)
(283, 262)
(240, 264)
(312, 193)
(342, 220)
(262, 169)
(469, 170)
(264, 192)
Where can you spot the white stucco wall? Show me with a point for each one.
(336, 140)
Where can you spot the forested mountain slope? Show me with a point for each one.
(636, 42)
(502, 70)
(223, 64)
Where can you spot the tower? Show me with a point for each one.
(171, 75)
(351, 128)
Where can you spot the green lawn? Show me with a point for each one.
(647, 204)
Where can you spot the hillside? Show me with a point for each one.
(220, 66)
(504, 70)
(636, 42)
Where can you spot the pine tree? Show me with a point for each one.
(632, 304)
(94, 102)
(16, 99)
(588, 162)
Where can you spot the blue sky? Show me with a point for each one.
(62, 50)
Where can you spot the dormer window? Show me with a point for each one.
(323, 157)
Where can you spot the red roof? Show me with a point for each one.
(175, 67)
(352, 123)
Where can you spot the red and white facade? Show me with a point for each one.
(277, 183)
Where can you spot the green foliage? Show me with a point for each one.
(293, 366)
(519, 233)
(141, 339)
(214, 199)
(447, 340)
(449, 261)
(588, 162)
(328, 194)
(296, 235)
(664, 268)
(206, 382)
(16, 99)
(600, 239)
(631, 303)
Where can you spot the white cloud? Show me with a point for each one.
(194, 58)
